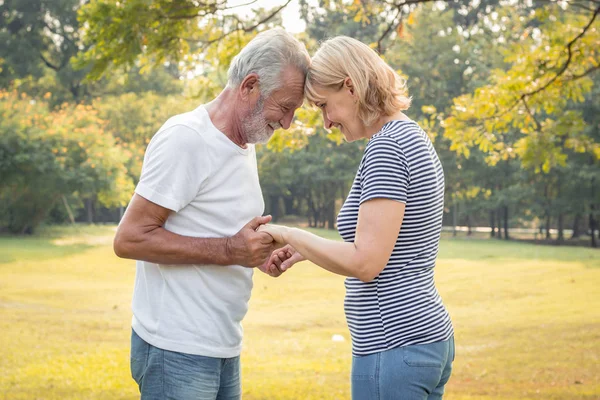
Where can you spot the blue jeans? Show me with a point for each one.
(417, 372)
(163, 374)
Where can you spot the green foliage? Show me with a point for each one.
(148, 33)
(46, 155)
(477, 73)
(523, 121)
(40, 37)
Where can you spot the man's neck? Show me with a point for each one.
(223, 114)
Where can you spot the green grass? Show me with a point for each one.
(53, 242)
(526, 320)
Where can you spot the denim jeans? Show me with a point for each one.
(417, 372)
(163, 374)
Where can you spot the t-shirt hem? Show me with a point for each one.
(186, 348)
(381, 196)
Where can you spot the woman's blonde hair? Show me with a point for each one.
(380, 90)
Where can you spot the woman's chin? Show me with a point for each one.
(349, 138)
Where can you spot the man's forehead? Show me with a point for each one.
(289, 95)
(293, 101)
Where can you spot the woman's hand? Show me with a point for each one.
(276, 231)
(281, 260)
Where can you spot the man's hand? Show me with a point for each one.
(281, 260)
(249, 247)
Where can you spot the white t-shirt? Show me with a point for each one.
(212, 186)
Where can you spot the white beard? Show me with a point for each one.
(256, 126)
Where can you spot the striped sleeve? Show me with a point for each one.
(384, 172)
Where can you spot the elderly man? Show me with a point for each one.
(192, 223)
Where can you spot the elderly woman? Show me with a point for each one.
(402, 336)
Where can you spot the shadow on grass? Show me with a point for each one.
(35, 248)
(54, 241)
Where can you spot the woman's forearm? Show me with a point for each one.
(342, 258)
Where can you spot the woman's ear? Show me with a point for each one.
(348, 85)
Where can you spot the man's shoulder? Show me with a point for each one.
(195, 120)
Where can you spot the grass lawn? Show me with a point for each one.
(527, 321)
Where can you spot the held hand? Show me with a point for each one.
(281, 260)
(276, 232)
(249, 247)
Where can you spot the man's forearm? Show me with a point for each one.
(163, 247)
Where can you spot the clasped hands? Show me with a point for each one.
(253, 246)
(283, 258)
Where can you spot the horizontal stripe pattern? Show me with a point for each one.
(400, 307)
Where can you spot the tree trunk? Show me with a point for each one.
(469, 231)
(71, 217)
(454, 218)
(561, 236)
(499, 219)
(311, 211)
(274, 206)
(576, 226)
(593, 228)
(331, 215)
(492, 224)
(548, 237)
(89, 207)
(506, 223)
(592, 211)
(288, 203)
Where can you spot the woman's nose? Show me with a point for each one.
(326, 121)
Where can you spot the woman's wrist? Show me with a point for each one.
(287, 233)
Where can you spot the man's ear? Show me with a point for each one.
(249, 86)
(348, 85)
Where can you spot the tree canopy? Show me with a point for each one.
(507, 91)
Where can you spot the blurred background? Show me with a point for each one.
(507, 90)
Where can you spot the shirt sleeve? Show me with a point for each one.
(384, 171)
(175, 166)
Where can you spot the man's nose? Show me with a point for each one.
(287, 119)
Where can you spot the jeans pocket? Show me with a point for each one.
(139, 357)
(424, 355)
(365, 377)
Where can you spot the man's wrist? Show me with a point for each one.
(229, 258)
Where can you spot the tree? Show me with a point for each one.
(46, 156)
(40, 37)
(152, 32)
(541, 125)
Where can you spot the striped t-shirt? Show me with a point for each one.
(401, 306)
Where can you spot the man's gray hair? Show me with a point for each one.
(267, 55)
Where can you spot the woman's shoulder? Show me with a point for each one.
(398, 129)
(395, 134)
